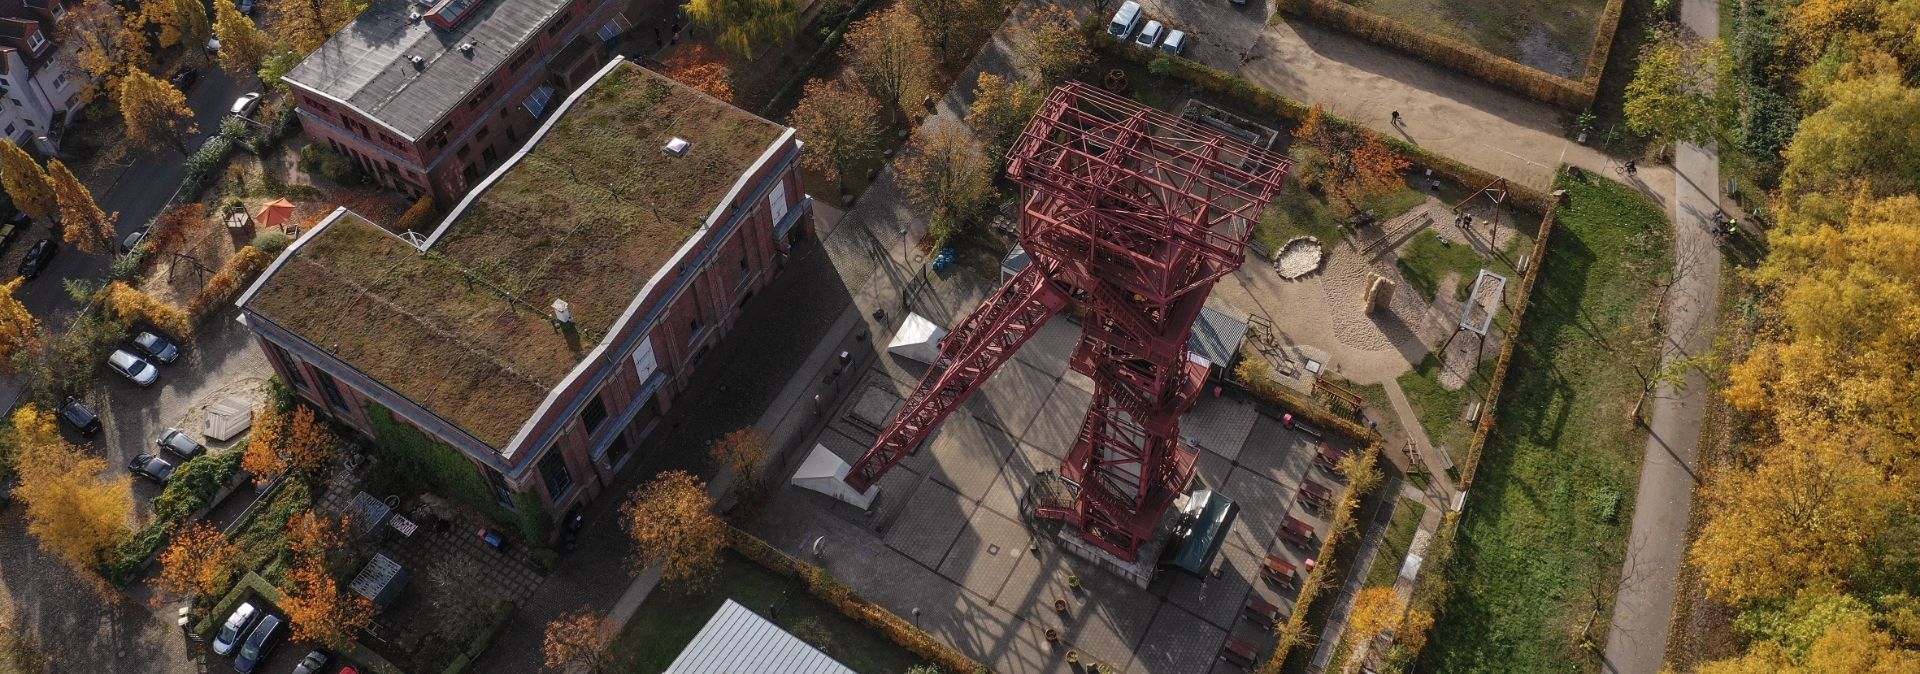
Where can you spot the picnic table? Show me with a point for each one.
(1238, 652)
(1262, 610)
(1329, 458)
(1315, 495)
(1279, 571)
(1297, 533)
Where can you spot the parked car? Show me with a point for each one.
(156, 348)
(134, 368)
(1150, 35)
(236, 625)
(1125, 20)
(1176, 42)
(245, 104)
(151, 466)
(38, 257)
(213, 45)
(259, 643)
(177, 441)
(133, 240)
(312, 664)
(184, 78)
(15, 226)
(246, 6)
(76, 414)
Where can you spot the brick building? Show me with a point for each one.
(37, 94)
(652, 210)
(426, 98)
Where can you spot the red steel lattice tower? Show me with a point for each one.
(1132, 214)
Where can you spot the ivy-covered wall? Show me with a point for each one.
(441, 469)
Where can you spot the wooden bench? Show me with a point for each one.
(1279, 572)
(1259, 609)
(1315, 495)
(1238, 652)
(1297, 533)
(1329, 458)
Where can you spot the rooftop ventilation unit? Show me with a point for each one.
(417, 60)
(413, 16)
(466, 48)
(677, 147)
(448, 14)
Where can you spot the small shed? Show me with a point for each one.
(1204, 524)
(918, 339)
(1216, 337)
(738, 641)
(380, 581)
(228, 418)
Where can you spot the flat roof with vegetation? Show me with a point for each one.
(588, 214)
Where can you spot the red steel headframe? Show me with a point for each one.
(1133, 214)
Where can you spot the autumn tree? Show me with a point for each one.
(299, 444)
(580, 640)
(199, 561)
(946, 172)
(156, 113)
(695, 66)
(108, 43)
(740, 451)
(740, 26)
(950, 22)
(842, 131)
(1049, 46)
(673, 525)
(77, 514)
(133, 306)
(26, 182)
(319, 611)
(242, 44)
(263, 460)
(1677, 92)
(19, 330)
(85, 226)
(306, 24)
(1001, 110)
(1850, 143)
(1375, 610)
(889, 56)
(180, 21)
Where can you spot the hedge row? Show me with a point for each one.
(1336, 551)
(1480, 63)
(830, 590)
(1256, 99)
(192, 489)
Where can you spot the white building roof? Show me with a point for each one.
(738, 641)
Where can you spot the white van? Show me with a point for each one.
(1125, 20)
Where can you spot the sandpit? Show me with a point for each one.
(1301, 256)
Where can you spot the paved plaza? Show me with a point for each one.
(949, 544)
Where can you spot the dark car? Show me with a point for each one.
(139, 235)
(184, 78)
(245, 7)
(259, 643)
(76, 414)
(152, 467)
(16, 225)
(176, 441)
(312, 664)
(156, 348)
(38, 257)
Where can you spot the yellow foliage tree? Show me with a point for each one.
(740, 26)
(26, 182)
(673, 526)
(306, 24)
(242, 44)
(180, 21)
(262, 459)
(108, 43)
(842, 128)
(132, 305)
(77, 515)
(199, 561)
(1374, 610)
(741, 450)
(888, 54)
(19, 330)
(578, 640)
(1001, 109)
(156, 113)
(84, 225)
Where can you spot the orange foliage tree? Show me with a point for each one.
(200, 561)
(672, 523)
(242, 266)
(319, 611)
(740, 450)
(696, 66)
(579, 640)
(1354, 163)
(132, 305)
(262, 459)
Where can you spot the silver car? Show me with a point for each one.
(134, 368)
(235, 626)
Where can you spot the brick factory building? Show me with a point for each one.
(653, 211)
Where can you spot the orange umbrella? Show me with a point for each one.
(274, 213)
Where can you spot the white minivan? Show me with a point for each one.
(1125, 20)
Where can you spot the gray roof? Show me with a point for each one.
(739, 641)
(1217, 336)
(366, 64)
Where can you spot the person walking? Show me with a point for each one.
(1631, 168)
(1396, 118)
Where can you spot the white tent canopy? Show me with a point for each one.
(918, 339)
(826, 473)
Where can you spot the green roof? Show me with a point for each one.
(587, 215)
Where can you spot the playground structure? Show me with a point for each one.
(1133, 215)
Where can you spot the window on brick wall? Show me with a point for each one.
(693, 331)
(501, 492)
(293, 366)
(553, 470)
(594, 414)
(520, 60)
(332, 390)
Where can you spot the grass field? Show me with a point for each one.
(667, 621)
(1299, 212)
(1393, 550)
(1541, 540)
(1554, 36)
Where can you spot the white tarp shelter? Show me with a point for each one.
(826, 473)
(738, 641)
(918, 339)
(228, 418)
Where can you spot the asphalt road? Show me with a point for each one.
(141, 189)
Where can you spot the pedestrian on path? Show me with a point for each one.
(1396, 118)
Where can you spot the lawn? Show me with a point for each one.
(1299, 212)
(1542, 537)
(1438, 408)
(263, 540)
(1393, 550)
(1425, 261)
(1553, 36)
(667, 621)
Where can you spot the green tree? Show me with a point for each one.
(946, 172)
(841, 128)
(889, 57)
(26, 182)
(242, 45)
(1675, 93)
(1049, 46)
(742, 25)
(1862, 139)
(156, 113)
(1000, 110)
